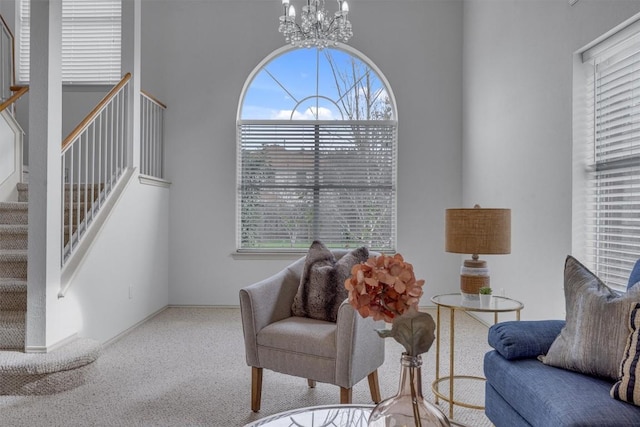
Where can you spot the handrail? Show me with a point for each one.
(153, 98)
(92, 115)
(19, 91)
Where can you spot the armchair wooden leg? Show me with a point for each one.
(312, 383)
(256, 388)
(374, 386)
(345, 396)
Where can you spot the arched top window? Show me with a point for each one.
(316, 84)
(316, 153)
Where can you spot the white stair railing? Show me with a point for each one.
(94, 157)
(151, 136)
(7, 76)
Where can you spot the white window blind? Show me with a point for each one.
(613, 176)
(91, 39)
(304, 180)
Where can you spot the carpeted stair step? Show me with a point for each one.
(13, 294)
(12, 330)
(62, 369)
(83, 192)
(13, 236)
(78, 211)
(13, 264)
(14, 212)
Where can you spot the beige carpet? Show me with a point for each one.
(186, 367)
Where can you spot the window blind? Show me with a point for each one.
(300, 181)
(91, 39)
(613, 190)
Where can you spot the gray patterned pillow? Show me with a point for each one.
(628, 388)
(321, 289)
(593, 340)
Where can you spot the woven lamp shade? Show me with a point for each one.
(477, 231)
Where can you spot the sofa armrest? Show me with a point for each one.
(263, 303)
(360, 350)
(524, 339)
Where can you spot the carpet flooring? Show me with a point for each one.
(186, 367)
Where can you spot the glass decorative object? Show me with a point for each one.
(408, 407)
(385, 288)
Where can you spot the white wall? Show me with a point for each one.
(131, 250)
(197, 56)
(518, 58)
(77, 103)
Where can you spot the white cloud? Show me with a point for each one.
(308, 114)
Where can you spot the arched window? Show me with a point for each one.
(316, 153)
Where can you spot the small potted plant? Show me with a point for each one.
(485, 296)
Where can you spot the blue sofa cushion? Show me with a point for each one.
(499, 411)
(627, 388)
(547, 396)
(517, 340)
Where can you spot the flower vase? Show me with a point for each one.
(408, 407)
(485, 300)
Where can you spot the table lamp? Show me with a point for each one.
(477, 231)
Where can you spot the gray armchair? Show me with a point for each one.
(340, 353)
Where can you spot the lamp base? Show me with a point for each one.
(474, 275)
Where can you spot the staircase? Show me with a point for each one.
(29, 373)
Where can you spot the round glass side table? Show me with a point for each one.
(455, 302)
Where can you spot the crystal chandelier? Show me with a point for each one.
(318, 27)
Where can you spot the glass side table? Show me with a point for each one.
(459, 302)
(321, 416)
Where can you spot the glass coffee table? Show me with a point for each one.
(322, 416)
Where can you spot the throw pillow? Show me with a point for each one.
(321, 289)
(524, 339)
(628, 389)
(593, 339)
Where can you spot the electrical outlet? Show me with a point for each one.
(130, 291)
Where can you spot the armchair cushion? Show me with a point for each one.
(321, 289)
(524, 339)
(301, 335)
(594, 337)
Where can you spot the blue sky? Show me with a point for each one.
(289, 79)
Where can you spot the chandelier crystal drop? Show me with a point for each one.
(317, 27)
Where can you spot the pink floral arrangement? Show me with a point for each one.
(383, 287)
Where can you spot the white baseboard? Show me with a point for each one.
(49, 348)
(131, 328)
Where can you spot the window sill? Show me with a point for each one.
(152, 180)
(267, 256)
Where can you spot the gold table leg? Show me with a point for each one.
(437, 348)
(451, 361)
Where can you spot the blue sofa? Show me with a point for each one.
(522, 391)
